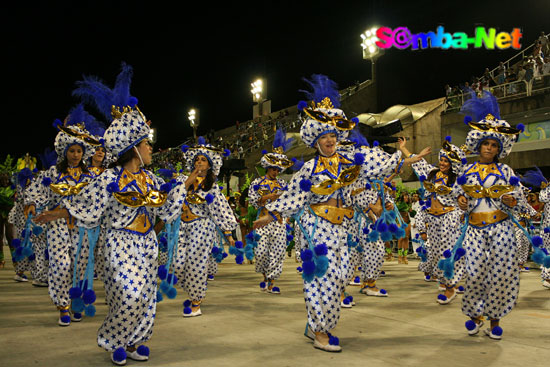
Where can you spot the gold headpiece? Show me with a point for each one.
(278, 150)
(326, 103)
(117, 113)
(82, 136)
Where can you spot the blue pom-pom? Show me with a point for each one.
(306, 255)
(393, 228)
(461, 289)
(289, 237)
(46, 181)
(366, 230)
(37, 230)
(382, 227)
(166, 187)
(119, 355)
(467, 119)
(159, 296)
(422, 178)
(302, 105)
(143, 350)
(447, 254)
(239, 259)
(57, 123)
(238, 244)
(470, 325)
(209, 198)
(461, 180)
(299, 268)
(359, 159)
(66, 319)
(459, 253)
(305, 185)
(514, 180)
(15, 243)
(201, 140)
(78, 305)
(538, 256)
(27, 251)
(32, 257)
(442, 297)
(90, 310)
(215, 250)
(102, 142)
(497, 330)
(373, 236)
(537, 241)
(321, 250)
(171, 278)
(112, 187)
(355, 119)
(264, 151)
(346, 301)
(368, 186)
(448, 138)
(383, 291)
(386, 236)
(226, 152)
(332, 340)
(520, 127)
(308, 267)
(376, 143)
(89, 296)
(165, 286)
(187, 303)
(132, 101)
(75, 292)
(187, 310)
(184, 148)
(172, 293)
(464, 161)
(162, 272)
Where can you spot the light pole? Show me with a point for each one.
(193, 116)
(370, 50)
(257, 95)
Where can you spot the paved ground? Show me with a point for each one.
(241, 326)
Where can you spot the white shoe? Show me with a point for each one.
(378, 293)
(38, 283)
(193, 314)
(20, 278)
(443, 300)
(490, 334)
(327, 348)
(475, 330)
(136, 356)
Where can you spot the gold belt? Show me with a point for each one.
(333, 214)
(141, 224)
(187, 215)
(485, 219)
(440, 211)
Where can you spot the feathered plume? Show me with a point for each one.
(23, 176)
(322, 87)
(92, 90)
(533, 178)
(48, 158)
(358, 138)
(478, 108)
(79, 115)
(280, 140)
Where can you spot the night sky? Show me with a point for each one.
(206, 56)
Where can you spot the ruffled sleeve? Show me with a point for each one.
(297, 194)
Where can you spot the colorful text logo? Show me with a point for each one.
(402, 38)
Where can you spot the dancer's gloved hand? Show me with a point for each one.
(462, 202)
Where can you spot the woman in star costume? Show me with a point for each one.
(126, 199)
(319, 196)
(205, 212)
(442, 216)
(490, 194)
(271, 249)
(74, 145)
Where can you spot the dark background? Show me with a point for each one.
(198, 54)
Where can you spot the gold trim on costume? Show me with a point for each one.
(64, 189)
(195, 199)
(484, 170)
(264, 211)
(96, 170)
(485, 219)
(276, 161)
(187, 215)
(450, 153)
(439, 189)
(346, 177)
(338, 122)
(81, 136)
(493, 192)
(135, 199)
(333, 214)
(141, 224)
(440, 211)
(505, 130)
(330, 164)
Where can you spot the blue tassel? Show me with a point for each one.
(162, 272)
(159, 296)
(15, 243)
(447, 254)
(171, 278)
(393, 228)
(422, 178)
(514, 180)
(305, 185)
(448, 138)
(166, 187)
(164, 286)
(226, 152)
(239, 259)
(306, 255)
(37, 230)
(520, 127)
(464, 161)
(373, 236)
(75, 292)
(78, 305)
(321, 266)
(289, 237)
(308, 267)
(89, 296)
(90, 310)
(321, 250)
(172, 293)
(386, 236)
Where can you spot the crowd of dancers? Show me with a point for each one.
(96, 213)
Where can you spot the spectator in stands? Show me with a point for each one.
(538, 68)
(487, 80)
(537, 50)
(545, 42)
(501, 73)
(546, 71)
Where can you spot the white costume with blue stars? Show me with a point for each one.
(198, 234)
(442, 224)
(131, 248)
(271, 250)
(544, 196)
(492, 271)
(62, 234)
(17, 218)
(322, 295)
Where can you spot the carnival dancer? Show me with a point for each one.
(126, 198)
(442, 217)
(74, 145)
(489, 193)
(205, 212)
(271, 250)
(319, 196)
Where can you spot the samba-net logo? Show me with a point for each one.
(402, 38)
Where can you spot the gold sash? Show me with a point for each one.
(187, 215)
(485, 219)
(333, 214)
(440, 211)
(141, 224)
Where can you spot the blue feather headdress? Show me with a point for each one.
(358, 138)
(92, 90)
(280, 143)
(322, 87)
(534, 178)
(479, 107)
(48, 158)
(278, 159)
